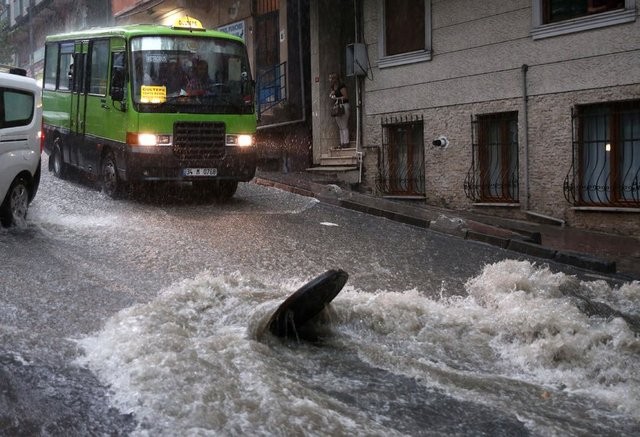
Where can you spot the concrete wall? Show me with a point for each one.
(478, 51)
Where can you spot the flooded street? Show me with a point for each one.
(148, 317)
(500, 362)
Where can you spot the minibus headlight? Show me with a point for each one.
(240, 140)
(145, 139)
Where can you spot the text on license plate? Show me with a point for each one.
(199, 172)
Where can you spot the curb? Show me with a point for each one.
(391, 215)
(483, 233)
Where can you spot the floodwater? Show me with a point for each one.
(527, 351)
(121, 301)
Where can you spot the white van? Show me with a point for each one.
(20, 143)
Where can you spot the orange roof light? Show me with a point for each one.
(188, 23)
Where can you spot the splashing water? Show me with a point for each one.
(196, 360)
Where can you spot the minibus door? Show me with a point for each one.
(104, 119)
(78, 103)
(115, 117)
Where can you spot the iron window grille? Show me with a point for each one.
(605, 167)
(493, 175)
(401, 168)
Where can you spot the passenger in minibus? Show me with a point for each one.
(200, 82)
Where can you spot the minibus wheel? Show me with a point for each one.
(226, 190)
(220, 191)
(111, 183)
(15, 204)
(59, 167)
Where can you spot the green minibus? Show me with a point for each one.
(142, 103)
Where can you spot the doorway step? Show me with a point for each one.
(338, 165)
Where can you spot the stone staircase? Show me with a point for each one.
(340, 157)
(338, 165)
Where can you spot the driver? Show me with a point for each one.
(200, 82)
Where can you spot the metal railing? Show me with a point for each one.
(401, 170)
(493, 174)
(271, 87)
(605, 165)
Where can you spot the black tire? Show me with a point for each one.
(226, 190)
(220, 191)
(58, 166)
(111, 183)
(16, 202)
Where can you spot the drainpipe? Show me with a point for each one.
(525, 113)
(30, 13)
(358, 99)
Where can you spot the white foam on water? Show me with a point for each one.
(329, 224)
(189, 362)
(517, 342)
(194, 360)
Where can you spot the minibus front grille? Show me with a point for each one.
(194, 141)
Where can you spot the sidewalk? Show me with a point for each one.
(596, 251)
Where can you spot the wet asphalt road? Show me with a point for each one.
(82, 257)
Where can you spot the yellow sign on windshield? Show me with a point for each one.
(189, 23)
(153, 94)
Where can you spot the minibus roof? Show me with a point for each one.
(134, 30)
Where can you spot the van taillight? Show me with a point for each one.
(41, 134)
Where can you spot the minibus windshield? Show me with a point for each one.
(190, 74)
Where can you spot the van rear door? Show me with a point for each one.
(19, 147)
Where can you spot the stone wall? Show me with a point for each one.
(480, 54)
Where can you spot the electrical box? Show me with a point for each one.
(357, 60)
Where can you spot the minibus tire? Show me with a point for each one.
(112, 186)
(226, 190)
(16, 200)
(220, 191)
(58, 166)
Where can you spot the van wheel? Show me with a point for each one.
(112, 186)
(16, 202)
(59, 167)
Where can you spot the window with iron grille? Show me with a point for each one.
(606, 155)
(493, 175)
(401, 171)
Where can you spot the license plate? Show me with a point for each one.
(199, 172)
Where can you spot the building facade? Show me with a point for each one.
(30, 21)
(522, 109)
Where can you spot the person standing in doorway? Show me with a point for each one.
(339, 96)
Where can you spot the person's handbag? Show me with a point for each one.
(337, 109)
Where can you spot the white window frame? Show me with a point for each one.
(409, 57)
(604, 19)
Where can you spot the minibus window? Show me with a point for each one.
(192, 74)
(99, 67)
(51, 67)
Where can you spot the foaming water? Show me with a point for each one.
(519, 345)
